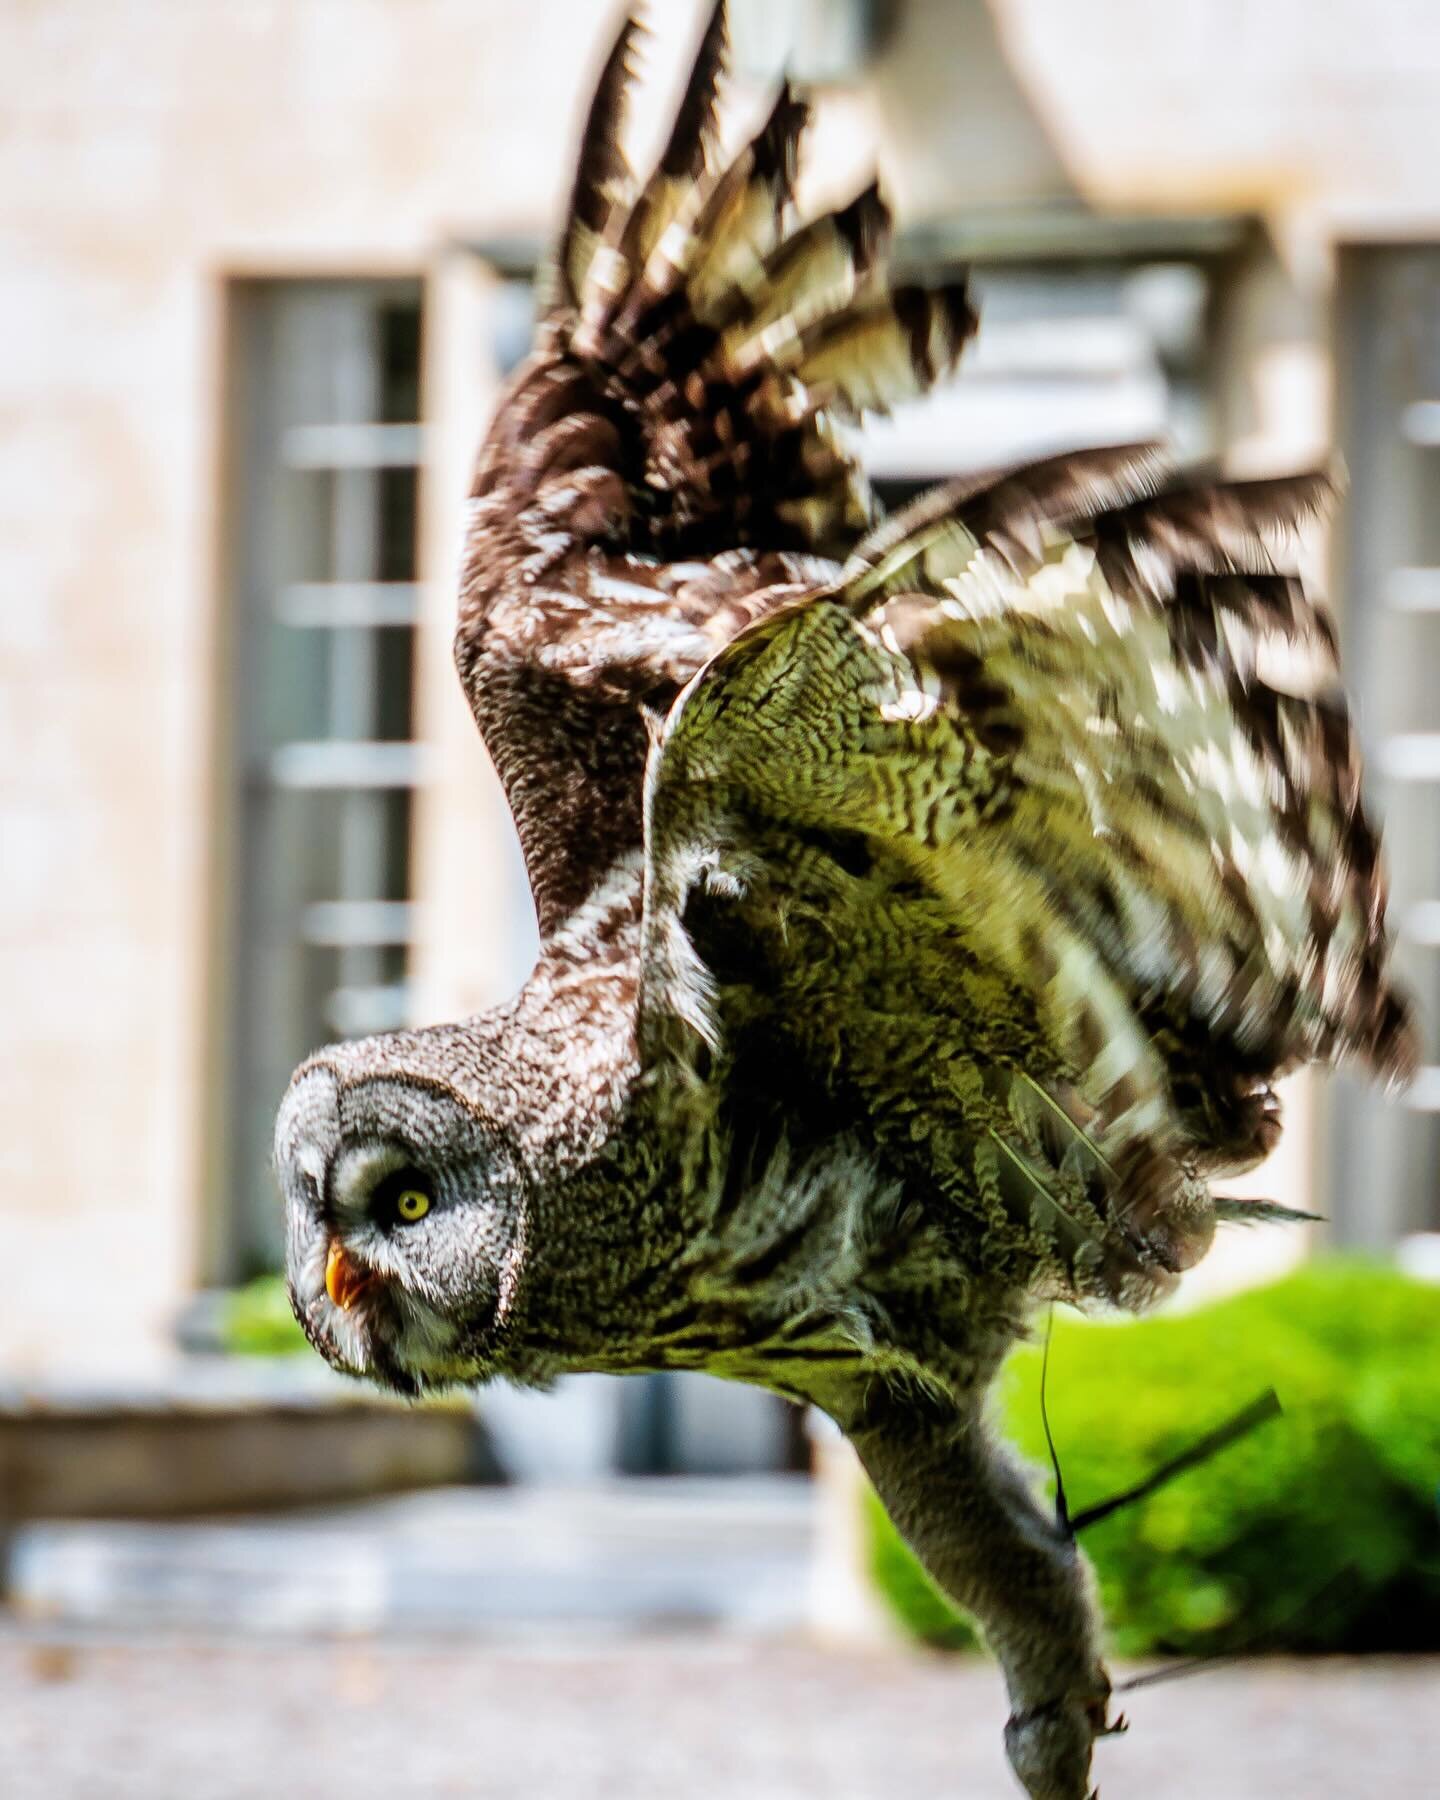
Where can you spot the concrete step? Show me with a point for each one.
(619, 1556)
(224, 1434)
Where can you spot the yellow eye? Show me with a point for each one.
(412, 1204)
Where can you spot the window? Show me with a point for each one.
(1384, 1156)
(325, 452)
(1067, 355)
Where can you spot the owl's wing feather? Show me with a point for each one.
(664, 468)
(602, 174)
(1093, 743)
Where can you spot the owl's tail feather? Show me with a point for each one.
(721, 338)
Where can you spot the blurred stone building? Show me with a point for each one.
(262, 265)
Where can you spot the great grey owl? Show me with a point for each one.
(928, 904)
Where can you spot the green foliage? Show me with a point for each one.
(257, 1320)
(1319, 1532)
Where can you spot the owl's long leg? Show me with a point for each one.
(968, 1512)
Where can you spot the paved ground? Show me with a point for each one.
(617, 1641)
(678, 1718)
(633, 1555)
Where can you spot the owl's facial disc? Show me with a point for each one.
(403, 1226)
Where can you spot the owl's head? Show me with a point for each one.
(405, 1220)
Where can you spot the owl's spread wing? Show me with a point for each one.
(1041, 829)
(665, 469)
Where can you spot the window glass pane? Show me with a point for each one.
(395, 517)
(394, 683)
(398, 328)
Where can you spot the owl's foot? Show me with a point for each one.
(1049, 1746)
(971, 1516)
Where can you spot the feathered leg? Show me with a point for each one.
(967, 1511)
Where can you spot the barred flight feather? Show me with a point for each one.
(602, 175)
(685, 160)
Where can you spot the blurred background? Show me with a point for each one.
(263, 264)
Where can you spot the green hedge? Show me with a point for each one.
(1319, 1532)
(257, 1320)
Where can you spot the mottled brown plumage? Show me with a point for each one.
(928, 905)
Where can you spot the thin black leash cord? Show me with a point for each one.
(1259, 1412)
(1062, 1508)
(1230, 1431)
(1315, 1605)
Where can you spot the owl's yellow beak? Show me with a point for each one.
(345, 1279)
